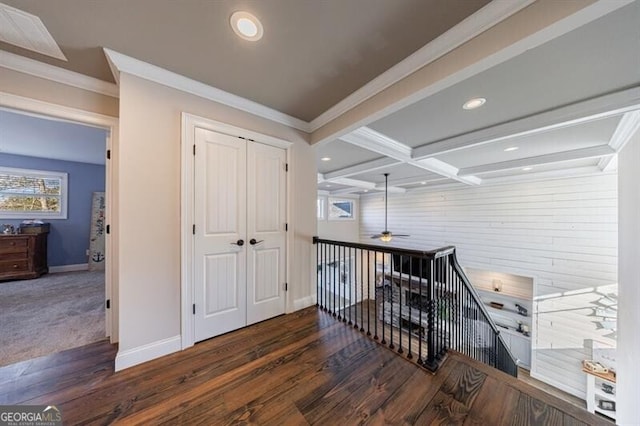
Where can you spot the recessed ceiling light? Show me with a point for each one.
(474, 103)
(511, 148)
(246, 26)
(366, 190)
(526, 169)
(326, 159)
(423, 183)
(328, 186)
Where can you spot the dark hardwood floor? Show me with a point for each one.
(302, 368)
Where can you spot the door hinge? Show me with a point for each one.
(108, 303)
(286, 167)
(194, 309)
(194, 149)
(286, 286)
(194, 229)
(108, 229)
(286, 227)
(108, 154)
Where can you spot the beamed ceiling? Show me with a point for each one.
(379, 85)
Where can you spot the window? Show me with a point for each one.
(321, 208)
(341, 209)
(32, 194)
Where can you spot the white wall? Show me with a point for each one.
(628, 392)
(562, 233)
(341, 230)
(149, 212)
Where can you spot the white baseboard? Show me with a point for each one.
(559, 385)
(69, 268)
(135, 356)
(305, 302)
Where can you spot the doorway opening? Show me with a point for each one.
(55, 258)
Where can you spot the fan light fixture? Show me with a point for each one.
(386, 235)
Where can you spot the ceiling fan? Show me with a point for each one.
(386, 235)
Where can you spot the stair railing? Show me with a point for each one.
(418, 303)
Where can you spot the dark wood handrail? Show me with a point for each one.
(429, 254)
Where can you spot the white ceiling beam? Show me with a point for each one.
(371, 140)
(353, 182)
(629, 124)
(345, 191)
(580, 112)
(391, 189)
(445, 169)
(379, 143)
(415, 180)
(556, 157)
(369, 166)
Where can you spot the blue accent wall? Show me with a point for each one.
(69, 238)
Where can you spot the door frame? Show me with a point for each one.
(190, 123)
(40, 108)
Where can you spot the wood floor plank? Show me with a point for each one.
(531, 411)
(302, 368)
(494, 405)
(409, 400)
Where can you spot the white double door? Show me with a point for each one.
(240, 219)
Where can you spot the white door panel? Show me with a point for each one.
(266, 219)
(220, 217)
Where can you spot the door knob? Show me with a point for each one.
(253, 241)
(239, 243)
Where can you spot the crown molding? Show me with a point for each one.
(59, 75)
(628, 126)
(477, 23)
(122, 63)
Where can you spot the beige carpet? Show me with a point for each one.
(50, 314)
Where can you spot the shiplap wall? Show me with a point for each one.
(562, 233)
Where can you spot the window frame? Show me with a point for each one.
(323, 207)
(37, 173)
(330, 200)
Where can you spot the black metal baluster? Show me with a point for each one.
(351, 273)
(400, 350)
(335, 269)
(368, 292)
(430, 319)
(410, 301)
(423, 333)
(383, 341)
(391, 266)
(362, 287)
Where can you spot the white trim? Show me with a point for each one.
(629, 124)
(190, 122)
(59, 75)
(33, 106)
(368, 166)
(469, 28)
(554, 157)
(304, 302)
(144, 353)
(353, 182)
(129, 65)
(68, 268)
(369, 139)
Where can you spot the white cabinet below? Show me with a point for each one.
(520, 347)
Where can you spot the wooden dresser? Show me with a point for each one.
(23, 256)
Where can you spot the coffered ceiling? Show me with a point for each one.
(379, 85)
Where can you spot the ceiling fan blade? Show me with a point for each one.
(376, 236)
(401, 235)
